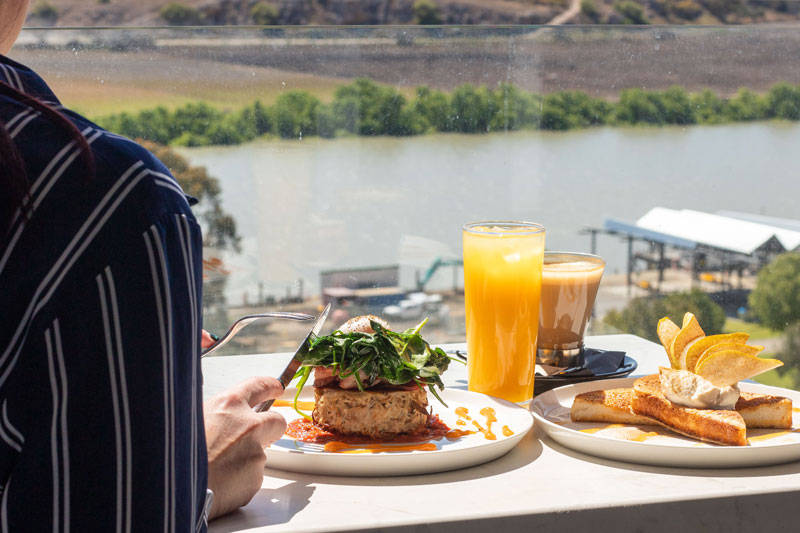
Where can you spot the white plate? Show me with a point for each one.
(551, 411)
(470, 450)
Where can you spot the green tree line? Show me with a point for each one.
(366, 108)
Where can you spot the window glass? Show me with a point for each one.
(339, 164)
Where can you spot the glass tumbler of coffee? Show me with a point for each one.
(569, 286)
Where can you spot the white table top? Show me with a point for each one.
(538, 486)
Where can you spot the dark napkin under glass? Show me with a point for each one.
(594, 363)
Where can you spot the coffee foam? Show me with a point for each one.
(572, 266)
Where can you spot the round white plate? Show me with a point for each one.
(470, 450)
(551, 411)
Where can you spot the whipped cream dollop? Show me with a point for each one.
(690, 390)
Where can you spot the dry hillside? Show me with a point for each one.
(356, 12)
(290, 12)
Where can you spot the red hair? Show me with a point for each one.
(14, 182)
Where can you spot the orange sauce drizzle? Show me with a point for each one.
(796, 409)
(463, 416)
(644, 436)
(343, 447)
(308, 431)
(455, 434)
(772, 435)
(601, 428)
(488, 412)
(305, 406)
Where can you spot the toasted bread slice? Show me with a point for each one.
(764, 410)
(613, 405)
(718, 426)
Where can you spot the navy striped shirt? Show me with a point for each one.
(101, 425)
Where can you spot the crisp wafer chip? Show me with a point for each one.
(691, 331)
(744, 348)
(667, 330)
(728, 367)
(699, 348)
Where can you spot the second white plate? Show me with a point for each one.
(289, 454)
(665, 448)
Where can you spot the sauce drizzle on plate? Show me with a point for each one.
(775, 435)
(307, 431)
(644, 436)
(343, 447)
(455, 434)
(601, 428)
(463, 416)
(489, 413)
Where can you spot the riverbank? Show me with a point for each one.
(126, 70)
(365, 108)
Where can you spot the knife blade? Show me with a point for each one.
(294, 363)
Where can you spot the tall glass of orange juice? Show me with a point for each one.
(502, 288)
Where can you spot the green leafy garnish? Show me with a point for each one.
(398, 358)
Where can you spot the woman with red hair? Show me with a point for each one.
(102, 425)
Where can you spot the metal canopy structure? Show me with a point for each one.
(717, 231)
(735, 240)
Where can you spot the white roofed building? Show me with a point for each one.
(726, 240)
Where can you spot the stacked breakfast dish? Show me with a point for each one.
(698, 396)
(370, 381)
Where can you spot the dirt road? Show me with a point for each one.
(572, 11)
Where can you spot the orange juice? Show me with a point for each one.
(502, 287)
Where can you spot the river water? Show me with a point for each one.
(311, 205)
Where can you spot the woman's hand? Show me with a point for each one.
(236, 437)
(207, 340)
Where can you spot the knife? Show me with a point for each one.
(294, 364)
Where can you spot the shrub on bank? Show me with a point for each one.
(642, 314)
(631, 12)
(433, 107)
(708, 108)
(426, 12)
(295, 114)
(745, 106)
(776, 298)
(46, 11)
(783, 101)
(471, 109)
(264, 14)
(673, 106)
(367, 108)
(178, 14)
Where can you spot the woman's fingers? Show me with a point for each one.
(271, 428)
(258, 389)
(207, 340)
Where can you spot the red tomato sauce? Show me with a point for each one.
(307, 431)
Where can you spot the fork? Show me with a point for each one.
(249, 319)
(309, 447)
